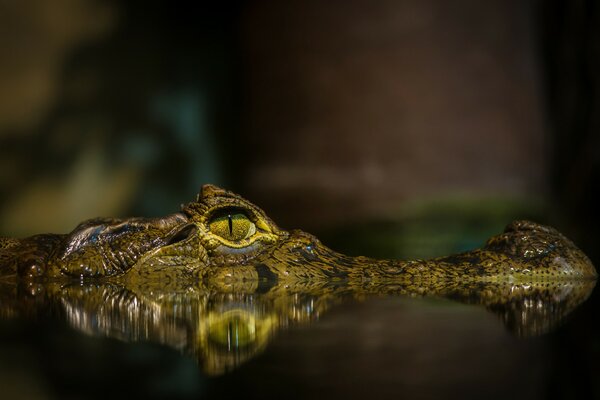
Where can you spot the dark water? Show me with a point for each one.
(484, 341)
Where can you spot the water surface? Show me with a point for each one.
(269, 341)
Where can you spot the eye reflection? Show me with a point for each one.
(233, 331)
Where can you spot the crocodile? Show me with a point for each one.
(223, 239)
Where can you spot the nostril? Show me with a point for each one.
(182, 234)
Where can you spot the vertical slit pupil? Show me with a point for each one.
(230, 221)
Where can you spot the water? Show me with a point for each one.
(85, 340)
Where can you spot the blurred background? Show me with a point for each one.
(415, 121)
(397, 128)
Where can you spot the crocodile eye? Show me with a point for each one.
(232, 225)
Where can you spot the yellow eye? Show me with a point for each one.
(233, 226)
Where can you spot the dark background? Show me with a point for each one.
(389, 128)
(326, 115)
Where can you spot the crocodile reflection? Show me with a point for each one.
(224, 329)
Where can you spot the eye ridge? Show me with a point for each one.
(230, 212)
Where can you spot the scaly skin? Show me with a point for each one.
(186, 247)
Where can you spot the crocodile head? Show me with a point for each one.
(221, 237)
